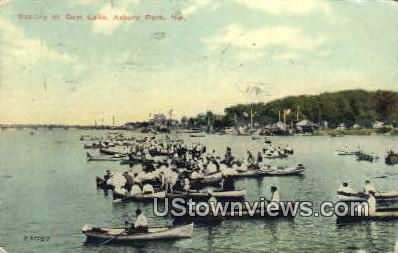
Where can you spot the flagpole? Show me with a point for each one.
(284, 119)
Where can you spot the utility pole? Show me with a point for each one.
(279, 116)
(297, 113)
(284, 120)
(251, 118)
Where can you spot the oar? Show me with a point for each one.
(115, 237)
(111, 239)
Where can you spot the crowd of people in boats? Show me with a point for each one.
(176, 167)
(172, 168)
(391, 157)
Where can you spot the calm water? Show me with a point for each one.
(48, 189)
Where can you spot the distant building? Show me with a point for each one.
(380, 124)
(306, 126)
(356, 126)
(341, 126)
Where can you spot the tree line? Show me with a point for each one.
(349, 107)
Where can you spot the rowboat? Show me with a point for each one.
(197, 135)
(347, 152)
(391, 158)
(213, 179)
(380, 214)
(285, 171)
(361, 196)
(249, 173)
(337, 135)
(118, 235)
(104, 158)
(90, 146)
(366, 157)
(132, 159)
(108, 151)
(205, 194)
(141, 197)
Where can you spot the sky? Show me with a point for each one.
(212, 55)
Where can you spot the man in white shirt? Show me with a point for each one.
(136, 190)
(187, 185)
(196, 174)
(372, 203)
(368, 187)
(140, 225)
(275, 194)
(148, 188)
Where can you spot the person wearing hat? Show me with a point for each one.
(227, 182)
(368, 187)
(371, 203)
(275, 194)
(345, 188)
(140, 225)
(128, 184)
(259, 159)
(107, 176)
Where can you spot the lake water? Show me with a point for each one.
(48, 189)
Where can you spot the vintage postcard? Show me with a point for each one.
(198, 126)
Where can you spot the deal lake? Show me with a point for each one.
(48, 191)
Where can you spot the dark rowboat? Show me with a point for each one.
(213, 179)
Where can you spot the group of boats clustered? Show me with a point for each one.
(172, 169)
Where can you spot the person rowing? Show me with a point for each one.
(368, 187)
(148, 189)
(259, 159)
(107, 176)
(250, 158)
(128, 184)
(187, 185)
(228, 158)
(345, 189)
(140, 225)
(227, 183)
(275, 194)
(135, 190)
(371, 202)
(275, 199)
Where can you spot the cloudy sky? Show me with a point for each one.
(221, 53)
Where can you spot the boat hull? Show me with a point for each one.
(165, 233)
(141, 197)
(205, 195)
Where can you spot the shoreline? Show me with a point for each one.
(361, 131)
